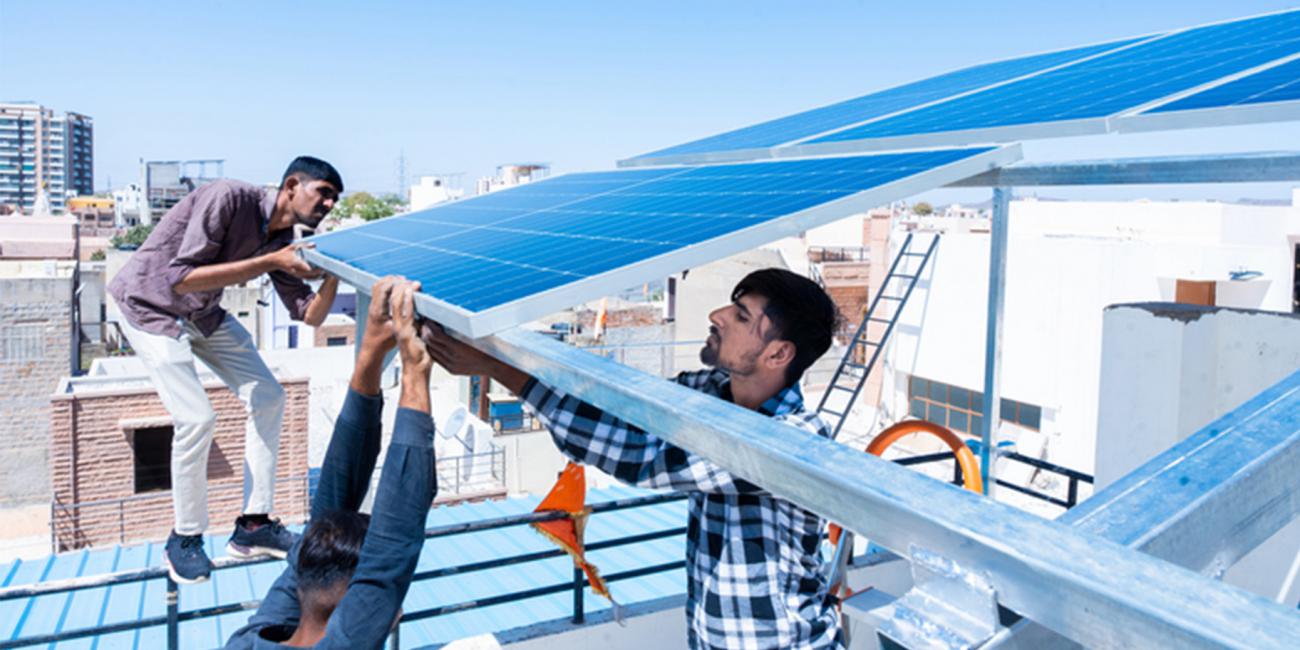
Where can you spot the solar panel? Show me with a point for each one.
(1106, 85)
(1277, 84)
(1092, 93)
(502, 259)
(826, 118)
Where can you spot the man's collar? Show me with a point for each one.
(268, 207)
(786, 400)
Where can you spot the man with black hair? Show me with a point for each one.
(169, 292)
(755, 576)
(349, 573)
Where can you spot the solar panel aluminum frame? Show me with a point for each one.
(528, 308)
(1196, 118)
(945, 139)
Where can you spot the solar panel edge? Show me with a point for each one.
(1214, 116)
(540, 304)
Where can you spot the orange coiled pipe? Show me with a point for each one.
(970, 467)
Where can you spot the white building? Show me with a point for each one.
(512, 175)
(432, 190)
(1066, 263)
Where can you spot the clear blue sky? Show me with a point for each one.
(465, 86)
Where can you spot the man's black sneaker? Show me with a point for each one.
(186, 561)
(265, 537)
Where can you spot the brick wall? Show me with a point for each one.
(92, 460)
(846, 284)
(35, 335)
(326, 332)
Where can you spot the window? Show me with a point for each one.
(153, 458)
(336, 341)
(23, 343)
(962, 410)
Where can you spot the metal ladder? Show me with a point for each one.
(850, 376)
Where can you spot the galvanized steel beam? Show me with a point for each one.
(1205, 502)
(1089, 589)
(1280, 166)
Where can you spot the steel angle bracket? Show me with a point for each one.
(949, 607)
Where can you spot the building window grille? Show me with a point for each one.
(152, 447)
(23, 343)
(961, 409)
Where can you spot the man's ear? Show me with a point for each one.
(291, 184)
(780, 353)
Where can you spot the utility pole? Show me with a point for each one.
(401, 175)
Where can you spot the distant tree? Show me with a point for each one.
(923, 209)
(98, 256)
(367, 206)
(131, 239)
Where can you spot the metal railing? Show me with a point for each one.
(1072, 477)
(175, 616)
(74, 520)
(839, 253)
(452, 477)
(656, 358)
(78, 525)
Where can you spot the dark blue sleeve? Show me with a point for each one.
(393, 541)
(350, 460)
(345, 476)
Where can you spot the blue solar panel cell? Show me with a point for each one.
(852, 111)
(490, 251)
(1105, 85)
(1277, 84)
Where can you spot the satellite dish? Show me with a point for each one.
(454, 423)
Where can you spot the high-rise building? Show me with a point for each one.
(40, 150)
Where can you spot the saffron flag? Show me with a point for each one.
(569, 495)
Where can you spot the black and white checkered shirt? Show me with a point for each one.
(755, 576)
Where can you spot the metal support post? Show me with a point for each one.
(363, 308)
(579, 586)
(173, 615)
(993, 338)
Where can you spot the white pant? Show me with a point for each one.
(233, 357)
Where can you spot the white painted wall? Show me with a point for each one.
(1068, 261)
(843, 232)
(1166, 373)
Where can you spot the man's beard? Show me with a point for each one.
(709, 356)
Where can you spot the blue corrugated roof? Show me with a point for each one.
(106, 605)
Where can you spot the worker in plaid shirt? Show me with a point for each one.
(755, 577)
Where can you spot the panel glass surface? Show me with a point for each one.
(852, 111)
(490, 250)
(1105, 85)
(1277, 84)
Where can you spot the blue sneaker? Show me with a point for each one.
(185, 559)
(256, 536)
